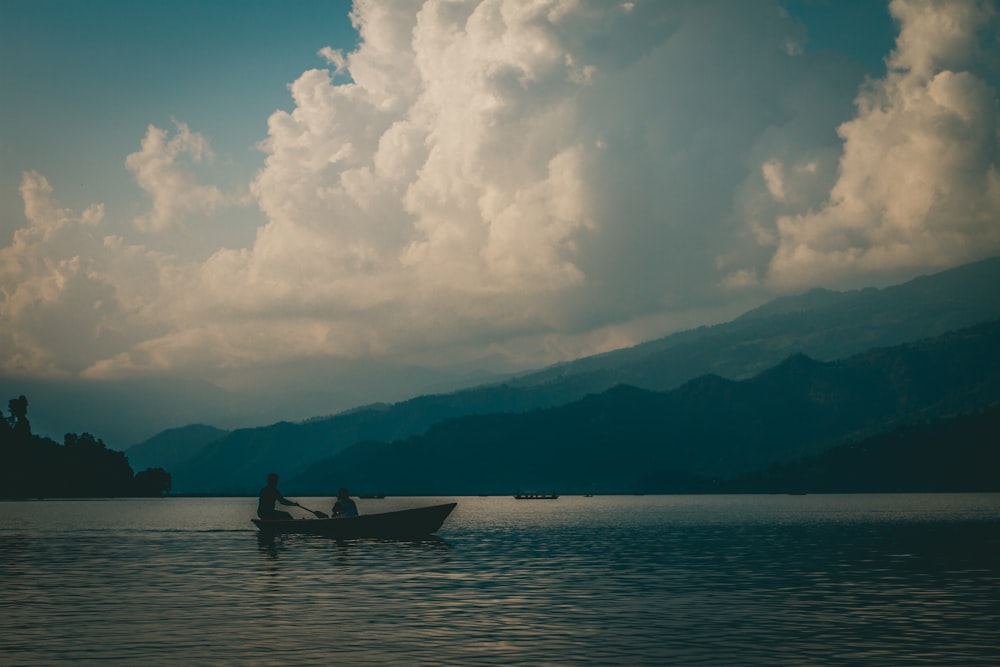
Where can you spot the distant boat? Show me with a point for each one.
(371, 495)
(401, 524)
(536, 496)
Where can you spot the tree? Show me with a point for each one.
(18, 420)
(152, 482)
(5, 429)
(86, 467)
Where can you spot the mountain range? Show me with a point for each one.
(731, 367)
(630, 439)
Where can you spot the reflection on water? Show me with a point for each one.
(272, 545)
(769, 580)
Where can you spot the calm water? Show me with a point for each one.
(654, 580)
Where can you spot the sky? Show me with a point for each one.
(240, 212)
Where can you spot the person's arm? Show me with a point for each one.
(285, 501)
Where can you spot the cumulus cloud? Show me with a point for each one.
(506, 167)
(69, 294)
(919, 177)
(531, 182)
(159, 169)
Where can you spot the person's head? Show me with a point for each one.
(272, 479)
(343, 493)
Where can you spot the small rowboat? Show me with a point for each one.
(416, 522)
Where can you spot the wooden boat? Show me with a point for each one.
(416, 522)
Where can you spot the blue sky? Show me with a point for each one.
(296, 212)
(86, 77)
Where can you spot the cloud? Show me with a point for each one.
(175, 193)
(919, 180)
(500, 168)
(69, 294)
(527, 182)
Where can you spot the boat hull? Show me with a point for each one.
(409, 523)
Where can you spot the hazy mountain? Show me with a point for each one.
(127, 411)
(173, 448)
(238, 462)
(710, 427)
(822, 324)
(121, 412)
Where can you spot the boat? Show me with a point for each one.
(536, 496)
(400, 524)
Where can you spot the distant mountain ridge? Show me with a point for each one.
(174, 447)
(710, 427)
(822, 324)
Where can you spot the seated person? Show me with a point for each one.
(344, 505)
(268, 496)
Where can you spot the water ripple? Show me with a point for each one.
(509, 584)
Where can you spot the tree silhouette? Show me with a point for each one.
(154, 482)
(5, 429)
(19, 425)
(83, 466)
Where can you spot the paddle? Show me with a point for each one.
(319, 515)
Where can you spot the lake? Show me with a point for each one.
(607, 580)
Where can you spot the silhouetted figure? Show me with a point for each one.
(344, 505)
(268, 496)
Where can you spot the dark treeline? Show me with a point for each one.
(82, 467)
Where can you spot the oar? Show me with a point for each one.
(319, 515)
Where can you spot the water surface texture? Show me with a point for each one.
(626, 580)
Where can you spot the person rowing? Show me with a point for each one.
(269, 495)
